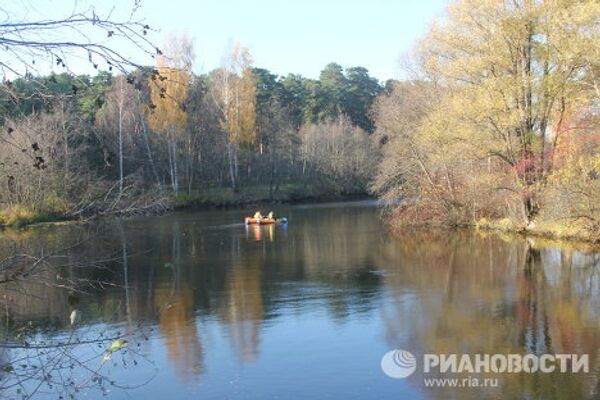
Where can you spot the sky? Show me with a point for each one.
(284, 36)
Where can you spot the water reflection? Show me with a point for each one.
(175, 310)
(242, 311)
(263, 232)
(482, 295)
(235, 306)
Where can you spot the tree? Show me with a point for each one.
(294, 96)
(511, 74)
(29, 46)
(337, 155)
(116, 119)
(360, 93)
(169, 85)
(316, 107)
(514, 70)
(234, 90)
(268, 87)
(405, 171)
(42, 162)
(334, 91)
(279, 142)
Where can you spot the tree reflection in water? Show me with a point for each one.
(45, 350)
(195, 277)
(462, 293)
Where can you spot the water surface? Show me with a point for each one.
(214, 310)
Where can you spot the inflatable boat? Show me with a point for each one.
(264, 221)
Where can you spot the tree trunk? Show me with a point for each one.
(121, 100)
(272, 174)
(190, 167)
(236, 166)
(175, 172)
(172, 170)
(148, 151)
(232, 167)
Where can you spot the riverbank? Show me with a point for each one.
(257, 195)
(570, 231)
(20, 216)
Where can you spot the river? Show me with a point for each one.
(210, 309)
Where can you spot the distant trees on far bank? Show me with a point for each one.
(92, 144)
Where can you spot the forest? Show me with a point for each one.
(78, 146)
(494, 125)
(499, 127)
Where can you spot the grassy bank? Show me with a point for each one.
(568, 230)
(225, 197)
(20, 216)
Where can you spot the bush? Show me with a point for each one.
(17, 216)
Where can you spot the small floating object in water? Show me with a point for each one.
(264, 221)
(115, 346)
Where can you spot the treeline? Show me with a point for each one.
(82, 145)
(500, 126)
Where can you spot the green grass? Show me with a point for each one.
(212, 198)
(225, 197)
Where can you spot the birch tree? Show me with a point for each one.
(169, 84)
(116, 121)
(234, 90)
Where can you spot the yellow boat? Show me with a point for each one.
(264, 221)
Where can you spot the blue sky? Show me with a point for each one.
(298, 36)
(301, 36)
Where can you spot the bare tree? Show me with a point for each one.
(28, 46)
(337, 155)
(117, 118)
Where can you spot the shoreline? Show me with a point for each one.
(558, 235)
(200, 202)
(542, 230)
(547, 231)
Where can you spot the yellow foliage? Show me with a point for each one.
(243, 115)
(236, 92)
(513, 77)
(504, 224)
(168, 92)
(16, 216)
(169, 85)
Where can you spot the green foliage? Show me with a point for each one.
(94, 95)
(335, 93)
(68, 139)
(362, 91)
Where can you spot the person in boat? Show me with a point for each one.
(258, 215)
(271, 215)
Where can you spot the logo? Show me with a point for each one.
(398, 364)
(401, 364)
